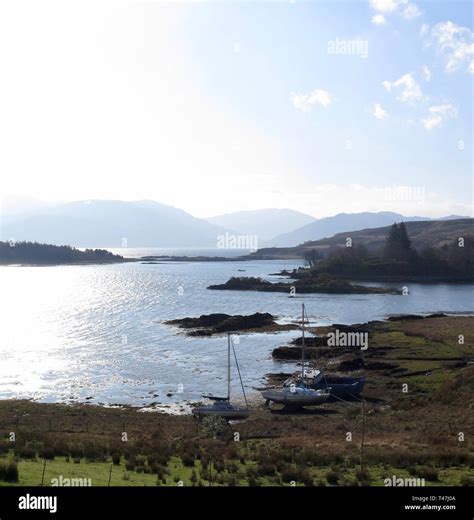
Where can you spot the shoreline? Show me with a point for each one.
(383, 365)
(407, 434)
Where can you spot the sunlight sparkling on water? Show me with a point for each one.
(96, 333)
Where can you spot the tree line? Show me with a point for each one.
(398, 257)
(36, 253)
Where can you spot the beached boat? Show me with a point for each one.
(341, 386)
(298, 393)
(296, 396)
(338, 386)
(222, 407)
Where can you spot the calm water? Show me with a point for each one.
(96, 333)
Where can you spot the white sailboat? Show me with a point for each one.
(222, 406)
(299, 393)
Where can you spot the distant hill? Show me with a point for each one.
(46, 254)
(342, 222)
(265, 223)
(432, 233)
(104, 223)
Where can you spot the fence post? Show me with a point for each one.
(44, 470)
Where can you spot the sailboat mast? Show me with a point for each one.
(228, 366)
(302, 341)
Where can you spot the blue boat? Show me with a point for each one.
(338, 386)
(341, 386)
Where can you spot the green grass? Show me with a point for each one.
(31, 474)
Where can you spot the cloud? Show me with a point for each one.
(410, 11)
(438, 114)
(379, 112)
(424, 29)
(410, 90)
(471, 67)
(385, 6)
(328, 199)
(387, 86)
(379, 19)
(406, 9)
(305, 102)
(426, 73)
(456, 43)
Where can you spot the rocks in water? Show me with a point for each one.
(303, 286)
(209, 324)
(405, 317)
(244, 283)
(350, 328)
(294, 353)
(311, 341)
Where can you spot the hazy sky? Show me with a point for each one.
(215, 107)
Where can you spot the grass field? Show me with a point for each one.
(106, 473)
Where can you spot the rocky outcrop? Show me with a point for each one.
(303, 286)
(217, 323)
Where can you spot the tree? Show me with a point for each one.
(311, 256)
(398, 244)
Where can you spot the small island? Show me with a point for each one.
(317, 284)
(218, 323)
(33, 253)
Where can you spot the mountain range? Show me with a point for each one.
(423, 234)
(112, 223)
(145, 223)
(264, 223)
(344, 222)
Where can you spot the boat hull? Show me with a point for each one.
(294, 399)
(342, 386)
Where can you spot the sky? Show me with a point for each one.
(213, 107)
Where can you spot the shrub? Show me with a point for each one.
(426, 472)
(363, 476)
(214, 426)
(116, 458)
(332, 477)
(47, 453)
(129, 465)
(467, 480)
(266, 469)
(289, 474)
(9, 471)
(25, 452)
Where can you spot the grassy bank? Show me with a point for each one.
(425, 432)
